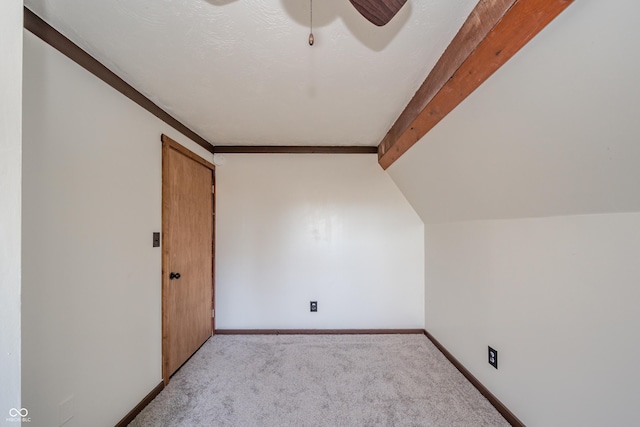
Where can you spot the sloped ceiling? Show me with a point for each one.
(241, 72)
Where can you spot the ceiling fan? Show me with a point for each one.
(378, 12)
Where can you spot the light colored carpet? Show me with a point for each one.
(319, 380)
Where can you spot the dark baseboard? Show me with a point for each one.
(316, 331)
(140, 406)
(500, 407)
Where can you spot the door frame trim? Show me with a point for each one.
(170, 144)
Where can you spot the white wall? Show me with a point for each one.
(91, 278)
(531, 206)
(557, 297)
(328, 228)
(10, 205)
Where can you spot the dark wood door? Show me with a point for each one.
(187, 254)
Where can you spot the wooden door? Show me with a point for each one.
(187, 262)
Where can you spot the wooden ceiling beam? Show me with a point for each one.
(297, 149)
(491, 35)
(55, 39)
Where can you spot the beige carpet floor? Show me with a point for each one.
(319, 380)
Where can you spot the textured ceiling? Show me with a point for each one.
(241, 72)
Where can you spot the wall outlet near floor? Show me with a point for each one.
(313, 305)
(493, 357)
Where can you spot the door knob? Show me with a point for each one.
(174, 276)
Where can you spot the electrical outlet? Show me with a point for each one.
(493, 357)
(313, 305)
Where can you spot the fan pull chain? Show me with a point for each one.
(311, 39)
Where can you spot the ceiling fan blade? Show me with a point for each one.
(378, 12)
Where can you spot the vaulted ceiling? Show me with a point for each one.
(241, 72)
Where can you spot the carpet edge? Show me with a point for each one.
(500, 407)
(140, 406)
(318, 331)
